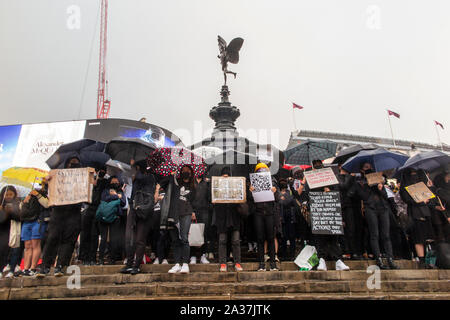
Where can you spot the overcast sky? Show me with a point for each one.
(345, 61)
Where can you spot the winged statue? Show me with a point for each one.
(229, 53)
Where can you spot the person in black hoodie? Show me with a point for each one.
(422, 229)
(139, 220)
(9, 210)
(181, 214)
(111, 193)
(64, 228)
(376, 211)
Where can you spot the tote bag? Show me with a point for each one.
(195, 236)
(14, 234)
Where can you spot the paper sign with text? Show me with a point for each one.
(326, 214)
(70, 186)
(228, 190)
(420, 192)
(320, 178)
(375, 178)
(262, 182)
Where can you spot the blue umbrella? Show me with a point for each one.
(305, 152)
(381, 160)
(428, 161)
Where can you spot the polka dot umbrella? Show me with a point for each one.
(164, 161)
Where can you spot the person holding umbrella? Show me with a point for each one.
(376, 211)
(422, 229)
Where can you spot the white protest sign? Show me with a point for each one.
(320, 178)
(262, 182)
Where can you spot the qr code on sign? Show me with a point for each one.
(261, 181)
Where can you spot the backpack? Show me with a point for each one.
(143, 204)
(30, 211)
(107, 211)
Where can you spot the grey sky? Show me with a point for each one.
(162, 63)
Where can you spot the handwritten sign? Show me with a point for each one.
(70, 186)
(326, 213)
(228, 190)
(320, 178)
(420, 192)
(262, 183)
(375, 178)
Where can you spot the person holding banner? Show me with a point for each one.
(376, 211)
(264, 223)
(227, 218)
(326, 245)
(63, 230)
(422, 229)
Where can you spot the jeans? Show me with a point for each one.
(135, 238)
(378, 224)
(63, 230)
(264, 229)
(235, 243)
(181, 249)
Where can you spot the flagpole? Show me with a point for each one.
(439, 138)
(392, 133)
(293, 118)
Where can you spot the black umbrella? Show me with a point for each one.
(241, 164)
(349, 152)
(90, 153)
(125, 149)
(309, 150)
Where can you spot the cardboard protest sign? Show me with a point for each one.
(320, 178)
(326, 214)
(70, 186)
(228, 190)
(419, 192)
(375, 178)
(262, 182)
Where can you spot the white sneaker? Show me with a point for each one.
(203, 259)
(165, 261)
(175, 269)
(322, 265)
(185, 268)
(17, 269)
(193, 260)
(340, 265)
(156, 261)
(266, 257)
(10, 275)
(7, 268)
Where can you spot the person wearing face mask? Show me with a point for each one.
(139, 220)
(422, 229)
(181, 214)
(111, 193)
(63, 230)
(303, 230)
(376, 211)
(288, 216)
(326, 245)
(9, 210)
(264, 223)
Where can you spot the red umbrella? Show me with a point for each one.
(291, 166)
(164, 161)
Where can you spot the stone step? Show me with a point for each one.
(156, 289)
(248, 266)
(226, 277)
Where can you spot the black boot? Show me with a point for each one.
(381, 264)
(422, 263)
(391, 264)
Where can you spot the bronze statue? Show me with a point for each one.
(229, 53)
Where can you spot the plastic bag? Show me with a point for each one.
(307, 259)
(195, 237)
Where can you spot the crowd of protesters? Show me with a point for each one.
(381, 222)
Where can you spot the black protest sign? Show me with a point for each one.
(326, 215)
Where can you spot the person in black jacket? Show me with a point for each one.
(264, 223)
(89, 227)
(9, 210)
(440, 217)
(376, 211)
(139, 220)
(227, 218)
(422, 229)
(326, 245)
(64, 228)
(111, 193)
(288, 215)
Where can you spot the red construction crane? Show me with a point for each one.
(103, 104)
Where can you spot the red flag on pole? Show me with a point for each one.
(296, 106)
(392, 113)
(439, 124)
